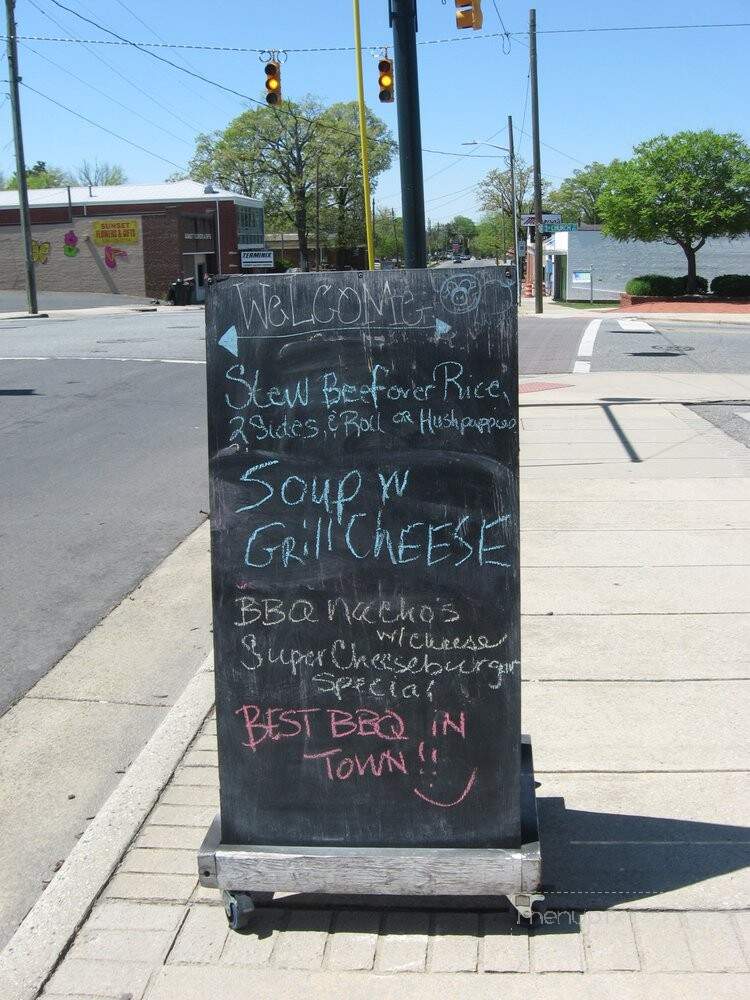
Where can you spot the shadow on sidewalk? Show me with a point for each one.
(593, 861)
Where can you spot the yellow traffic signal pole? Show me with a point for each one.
(363, 139)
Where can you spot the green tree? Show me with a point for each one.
(577, 198)
(100, 174)
(494, 190)
(341, 191)
(387, 233)
(279, 153)
(463, 227)
(680, 189)
(494, 235)
(42, 176)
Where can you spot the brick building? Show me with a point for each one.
(132, 239)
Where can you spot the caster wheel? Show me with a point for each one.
(238, 907)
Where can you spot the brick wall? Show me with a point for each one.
(161, 247)
(85, 271)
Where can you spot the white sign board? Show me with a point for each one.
(256, 258)
(580, 277)
(530, 219)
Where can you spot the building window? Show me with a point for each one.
(249, 226)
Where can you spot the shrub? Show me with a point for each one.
(731, 285)
(662, 285)
(650, 284)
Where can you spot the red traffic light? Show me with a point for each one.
(273, 82)
(385, 80)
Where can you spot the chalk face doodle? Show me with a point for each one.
(460, 293)
(363, 453)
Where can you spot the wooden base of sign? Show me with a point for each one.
(515, 872)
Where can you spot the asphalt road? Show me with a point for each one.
(553, 345)
(104, 472)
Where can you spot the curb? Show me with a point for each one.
(48, 928)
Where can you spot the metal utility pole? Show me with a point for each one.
(516, 258)
(538, 262)
(403, 20)
(23, 193)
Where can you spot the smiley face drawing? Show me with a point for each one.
(443, 725)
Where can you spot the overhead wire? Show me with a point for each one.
(114, 69)
(107, 96)
(159, 38)
(103, 128)
(463, 37)
(326, 126)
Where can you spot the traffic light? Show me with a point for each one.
(385, 80)
(273, 82)
(469, 14)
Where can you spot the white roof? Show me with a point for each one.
(123, 194)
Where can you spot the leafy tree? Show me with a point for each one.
(577, 197)
(387, 233)
(494, 235)
(42, 176)
(680, 189)
(341, 169)
(278, 153)
(494, 190)
(100, 174)
(463, 227)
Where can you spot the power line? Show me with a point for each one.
(107, 96)
(113, 68)
(463, 37)
(230, 90)
(560, 151)
(159, 38)
(103, 128)
(506, 33)
(639, 27)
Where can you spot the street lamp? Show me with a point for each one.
(514, 206)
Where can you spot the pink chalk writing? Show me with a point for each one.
(276, 724)
(386, 762)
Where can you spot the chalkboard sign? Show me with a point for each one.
(363, 448)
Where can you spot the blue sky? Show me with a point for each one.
(600, 93)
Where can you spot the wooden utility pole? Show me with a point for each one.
(514, 208)
(403, 19)
(23, 192)
(538, 262)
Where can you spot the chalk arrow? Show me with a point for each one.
(441, 328)
(229, 341)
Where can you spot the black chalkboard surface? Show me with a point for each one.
(363, 448)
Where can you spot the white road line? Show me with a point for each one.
(586, 347)
(83, 357)
(630, 325)
(745, 414)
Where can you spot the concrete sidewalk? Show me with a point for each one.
(636, 604)
(561, 310)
